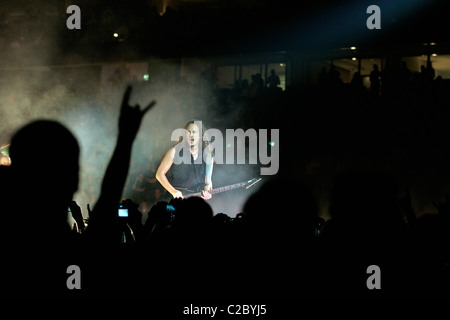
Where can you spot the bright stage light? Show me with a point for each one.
(115, 35)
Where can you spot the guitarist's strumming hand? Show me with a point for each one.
(205, 194)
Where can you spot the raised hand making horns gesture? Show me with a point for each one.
(131, 116)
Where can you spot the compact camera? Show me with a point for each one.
(122, 211)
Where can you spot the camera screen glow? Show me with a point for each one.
(123, 212)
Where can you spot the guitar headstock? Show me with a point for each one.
(251, 183)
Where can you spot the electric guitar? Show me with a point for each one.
(196, 191)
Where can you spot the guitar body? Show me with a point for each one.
(192, 191)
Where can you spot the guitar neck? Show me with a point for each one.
(226, 188)
(218, 190)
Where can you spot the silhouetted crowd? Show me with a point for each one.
(277, 248)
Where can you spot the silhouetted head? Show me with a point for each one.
(194, 212)
(44, 160)
(366, 203)
(267, 212)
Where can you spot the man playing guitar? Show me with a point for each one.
(186, 175)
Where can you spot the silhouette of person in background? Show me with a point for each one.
(256, 85)
(273, 80)
(39, 234)
(430, 72)
(357, 82)
(404, 73)
(375, 80)
(105, 230)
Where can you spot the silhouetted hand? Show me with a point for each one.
(131, 117)
(77, 215)
(117, 171)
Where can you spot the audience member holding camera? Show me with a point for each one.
(39, 236)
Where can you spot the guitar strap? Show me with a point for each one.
(196, 174)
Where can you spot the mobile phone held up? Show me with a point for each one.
(122, 211)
